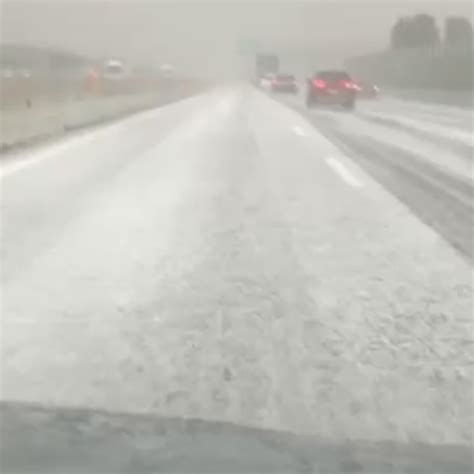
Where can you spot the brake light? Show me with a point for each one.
(319, 84)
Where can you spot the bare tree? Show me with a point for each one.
(458, 33)
(419, 31)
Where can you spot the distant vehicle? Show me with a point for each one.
(284, 83)
(266, 64)
(279, 83)
(114, 69)
(265, 82)
(7, 73)
(367, 90)
(167, 70)
(331, 88)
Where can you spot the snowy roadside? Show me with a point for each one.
(464, 99)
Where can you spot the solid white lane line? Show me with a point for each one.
(344, 173)
(299, 131)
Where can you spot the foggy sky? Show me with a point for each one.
(196, 34)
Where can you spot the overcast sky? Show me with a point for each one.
(193, 32)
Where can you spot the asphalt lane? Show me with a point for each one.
(223, 259)
(423, 154)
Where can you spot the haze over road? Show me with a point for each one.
(222, 258)
(308, 34)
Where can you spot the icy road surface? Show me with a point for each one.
(230, 258)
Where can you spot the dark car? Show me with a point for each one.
(367, 90)
(284, 83)
(331, 88)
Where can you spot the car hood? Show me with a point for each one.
(38, 439)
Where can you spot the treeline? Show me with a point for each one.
(422, 31)
(423, 55)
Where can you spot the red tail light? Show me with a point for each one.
(319, 84)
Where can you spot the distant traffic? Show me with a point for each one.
(326, 88)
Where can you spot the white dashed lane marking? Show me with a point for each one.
(344, 173)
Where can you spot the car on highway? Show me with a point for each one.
(114, 69)
(265, 81)
(199, 274)
(284, 83)
(367, 90)
(331, 88)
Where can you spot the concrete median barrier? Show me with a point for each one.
(34, 110)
